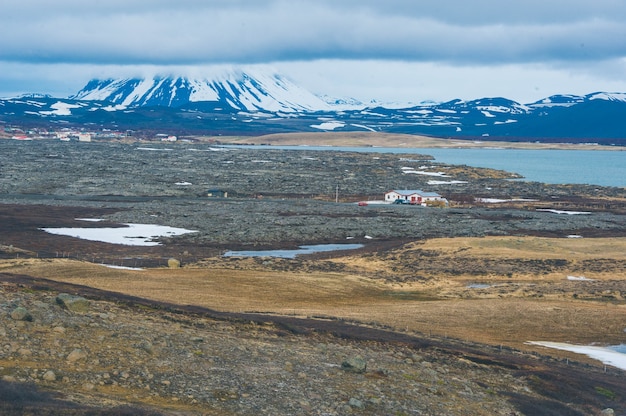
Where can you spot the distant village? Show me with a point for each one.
(66, 134)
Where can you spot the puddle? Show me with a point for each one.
(291, 254)
(478, 286)
(614, 355)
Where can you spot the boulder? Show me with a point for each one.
(76, 355)
(354, 365)
(21, 314)
(73, 303)
(49, 376)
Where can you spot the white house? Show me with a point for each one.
(413, 196)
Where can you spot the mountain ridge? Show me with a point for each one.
(249, 103)
(240, 89)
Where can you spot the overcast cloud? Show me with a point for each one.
(394, 50)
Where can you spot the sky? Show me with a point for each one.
(388, 51)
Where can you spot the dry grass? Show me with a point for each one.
(573, 251)
(532, 247)
(441, 306)
(366, 139)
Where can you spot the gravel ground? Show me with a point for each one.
(287, 198)
(125, 352)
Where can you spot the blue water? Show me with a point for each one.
(592, 167)
(291, 254)
(619, 348)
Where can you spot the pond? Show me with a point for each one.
(291, 254)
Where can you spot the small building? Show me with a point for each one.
(217, 193)
(84, 137)
(415, 197)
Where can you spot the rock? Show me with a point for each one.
(24, 352)
(355, 403)
(147, 347)
(73, 303)
(49, 376)
(76, 355)
(21, 314)
(354, 365)
(607, 412)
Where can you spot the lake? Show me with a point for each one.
(592, 167)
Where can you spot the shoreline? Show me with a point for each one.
(358, 139)
(394, 140)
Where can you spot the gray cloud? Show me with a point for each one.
(405, 50)
(188, 32)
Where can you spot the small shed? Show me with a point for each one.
(216, 193)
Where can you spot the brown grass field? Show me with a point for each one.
(524, 305)
(365, 139)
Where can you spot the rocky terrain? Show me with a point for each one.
(103, 353)
(279, 197)
(105, 347)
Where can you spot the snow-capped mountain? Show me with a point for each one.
(340, 104)
(258, 101)
(245, 90)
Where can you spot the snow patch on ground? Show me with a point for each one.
(499, 201)
(112, 266)
(556, 211)
(154, 149)
(130, 234)
(605, 355)
(579, 278)
(445, 182)
(423, 172)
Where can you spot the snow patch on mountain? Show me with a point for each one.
(558, 101)
(249, 90)
(328, 125)
(60, 109)
(340, 104)
(613, 96)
